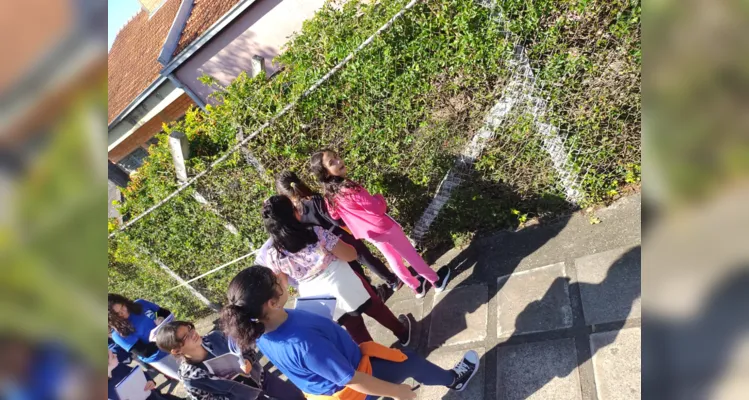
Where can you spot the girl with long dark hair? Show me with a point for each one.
(317, 355)
(367, 217)
(131, 323)
(313, 211)
(318, 261)
(180, 339)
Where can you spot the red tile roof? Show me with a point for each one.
(133, 63)
(204, 14)
(132, 60)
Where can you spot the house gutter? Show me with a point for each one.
(136, 102)
(170, 44)
(183, 56)
(214, 30)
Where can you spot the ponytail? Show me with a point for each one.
(247, 295)
(288, 184)
(241, 326)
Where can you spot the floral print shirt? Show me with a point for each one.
(308, 261)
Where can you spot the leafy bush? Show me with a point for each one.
(587, 56)
(400, 113)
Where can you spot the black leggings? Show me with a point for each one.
(364, 256)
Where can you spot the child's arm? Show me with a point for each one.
(370, 385)
(373, 204)
(339, 248)
(344, 251)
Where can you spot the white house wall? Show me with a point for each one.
(262, 30)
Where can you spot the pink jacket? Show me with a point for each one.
(363, 213)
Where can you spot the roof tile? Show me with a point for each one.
(133, 63)
(204, 14)
(132, 60)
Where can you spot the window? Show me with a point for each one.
(134, 160)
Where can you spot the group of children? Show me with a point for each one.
(316, 245)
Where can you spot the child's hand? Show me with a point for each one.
(247, 367)
(150, 385)
(112, 363)
(405, 392)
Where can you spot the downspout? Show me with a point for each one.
(187, 90)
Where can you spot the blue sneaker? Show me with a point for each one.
(465, 370)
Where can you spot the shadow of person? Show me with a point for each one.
(691, 358)
(541, 359)
(409, 198)
(488, 258)
(170, 384)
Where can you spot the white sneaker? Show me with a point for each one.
(421, 291)
(441, 283)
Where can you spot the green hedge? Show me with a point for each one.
(400, 112)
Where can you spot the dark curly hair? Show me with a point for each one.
(248, 292)
(122, 325)
(287, 232)
(331, 184)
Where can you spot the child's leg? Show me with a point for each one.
(367, 258)
(277, 388)
(378, 311)
(399, 242)
(358, 270)
(416, 367)
(374, 264)
(396, 262)
(355, 327)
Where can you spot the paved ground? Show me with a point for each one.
(553, 310)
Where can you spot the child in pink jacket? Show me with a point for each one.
(366, 217)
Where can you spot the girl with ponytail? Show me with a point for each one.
(313, 211)
(317, 355)
(318, 261)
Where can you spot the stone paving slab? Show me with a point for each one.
(570, 238)
(459, 316)
(382, 335)
(447, 360)
(616, 364)
(610, 285)
(533, 301)
(538, 370)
